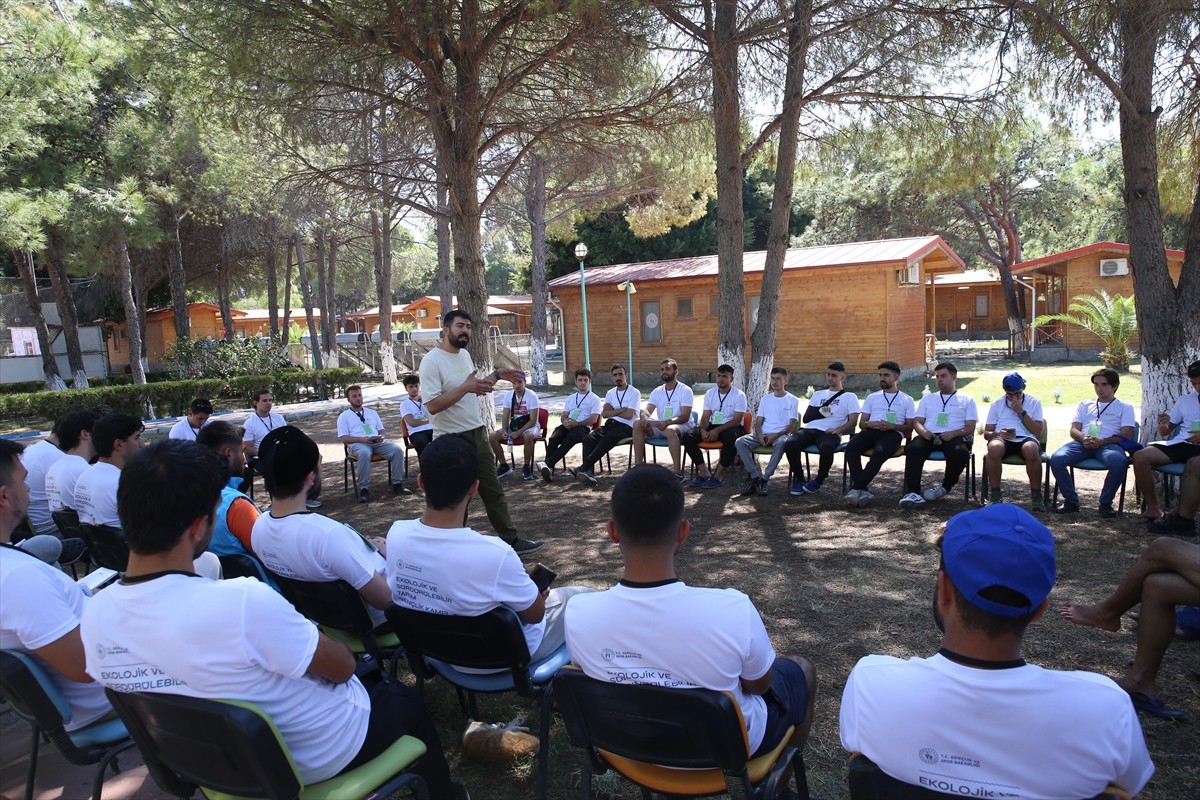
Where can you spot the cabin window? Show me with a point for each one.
(714, 308)
(751, 311)
(683, 307)
(981, 305)
(651, 322)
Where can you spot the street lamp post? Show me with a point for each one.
(581, 254)
(629, 289)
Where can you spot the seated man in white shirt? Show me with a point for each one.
(483, 572)
(257, 426)
(415, 415)
(305, 546)
(164, 629)
(622, 405)
(361, 430)
(116, 438)
(1099, 430)
(945, 421)
(1184, 419)
(832, 413)
(76, 441)
(975, 719)
(775, 421)
(721, 422)
(197, 417)
(42, 606)
(518, 420)
(652, 629)
(580, 412)
(1013, 427)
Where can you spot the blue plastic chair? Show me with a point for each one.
(1096, 465)
(661, 441)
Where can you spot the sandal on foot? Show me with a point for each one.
(1155, 707)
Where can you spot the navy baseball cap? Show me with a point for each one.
(1013, 382)
(287, 455)
(1001, 545)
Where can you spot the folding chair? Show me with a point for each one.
(1019, 461)
(543, 421)
(107, 545)
(439, 644)
(677, 742)
(1096, 465)
(231, 749)
(869, 782)
(35, 697)
(350, 467)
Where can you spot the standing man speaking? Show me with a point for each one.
(448, 384)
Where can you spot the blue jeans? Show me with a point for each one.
(1071, 453)
(745, 446)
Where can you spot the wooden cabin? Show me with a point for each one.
(859, 303)
(367, 320)
(969, 305)
(510, 313)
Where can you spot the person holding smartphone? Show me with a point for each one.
(1014, 428)
(361, 430)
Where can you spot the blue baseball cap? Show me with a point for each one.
(1013, 382)
(1000, 545)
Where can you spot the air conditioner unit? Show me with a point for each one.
(422, 312)
(910, 275)
(1113, 266)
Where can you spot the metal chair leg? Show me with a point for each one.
(33, 755)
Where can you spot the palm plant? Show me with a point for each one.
(1111, 318)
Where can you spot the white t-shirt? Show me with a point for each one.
(38, 459)
(667, 404)
(896, 408)
(1022, 732)
(349, 423)
(96, 494)
(442, 371)
(484, 572)
(527, 403)
(1103, 420)
(39, 605)
(1186, 414)
(313, 547)
(581, 406)
(839, 409)
(415, 409)
(946, 413)
(777, 412)
(256, 428)
(61, 480)
(1002, 416)
(234, 639)
(674, 635)
(724, 407)
(184, 430)
(629, 398)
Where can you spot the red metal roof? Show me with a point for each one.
(901, 252)
(1097, 247)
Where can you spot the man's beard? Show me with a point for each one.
(461, 341)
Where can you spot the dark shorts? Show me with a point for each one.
(1180, 452)
(1012, 448)
(787, 702)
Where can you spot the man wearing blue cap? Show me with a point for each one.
(1014, 427)
(977, 720)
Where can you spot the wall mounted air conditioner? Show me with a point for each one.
(1113, 266)
(910, 275)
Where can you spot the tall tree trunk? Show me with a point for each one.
(727, 119)
(54, 381)
(64, 298)
(329, 310)
(1167, 318)
(132, 322)
(328, 324)
(381, 244)
(306, 293)
(175, 273)
(272, 284)
(286, 325)
(224, 284)
(535, 211)
(762, 338)
(445, 280)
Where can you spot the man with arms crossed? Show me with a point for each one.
(885, 421)
(1097, 431)
(977, 720)
(450, 388)
(1184, 418)
(721, 421)
(652, 628)
(775, 420)
(256, 647)
(622, 405)
(945, 421)
(668, 413)
(831, 412)
(361, 430)
(1013, 427)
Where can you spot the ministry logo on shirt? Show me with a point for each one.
(929, 755)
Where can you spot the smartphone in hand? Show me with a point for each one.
(542, 576)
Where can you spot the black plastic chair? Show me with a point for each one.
(231, 747)
(869, 782)
(34, 696)
(342, 614)
(67, 522)
(438, 644)
(677, 742)
(240, 565)
(107, 545)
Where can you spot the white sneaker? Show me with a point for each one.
(851, 497)
(911, 499)
(865, 498)
(936, 493)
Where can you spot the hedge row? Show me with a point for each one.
(172, 398)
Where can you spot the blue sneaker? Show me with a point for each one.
(712, 483)
(697, 482)
(812, 487)
(797, 489)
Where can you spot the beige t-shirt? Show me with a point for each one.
(440, 372)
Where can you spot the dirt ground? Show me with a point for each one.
(832, 583)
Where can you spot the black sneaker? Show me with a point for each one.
(364, 496)
(1067, 507)
(400, 488)
(504, 470)
(524, 547)
(749, 487)
(1106, 511)
(762, 489)
(547, 473)
(586, 476)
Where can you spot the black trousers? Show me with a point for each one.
(882, 443)
(727, 437)
(603, 439)
(826, 442)
(420, 440)
(958, 454)
(561, 442)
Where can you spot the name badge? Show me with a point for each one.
(718, 418)
(575, 414)
(668, 412)
(943, 418)
(1195, 427)
(1094, 429)
(368, 429)
(424, 416)
(891, 418)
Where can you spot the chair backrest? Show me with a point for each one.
(681, 728)
(869, 782)
(748, 422)
(241, 565)
(224, 745)
(492, 640)
(333, 604)
(107, 545)
(543, 419)
(404, 432)
(31, 692)
(67, 522)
